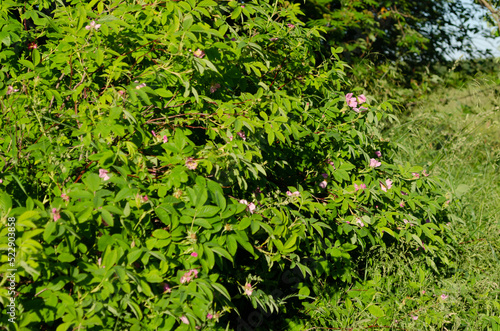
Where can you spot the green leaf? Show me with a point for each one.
(49, 229)
(202, 222)
(376, 311)
(27, 215)
(84, 214)
(135, 308)
(304, 292)
(207, 211)
(290, 243)
(123, 194)
(27, 63)
(5, 38)
(64, 326)
(209, 254)
(66, 257)
(245, 223)
(231, 244)
(244, 242)
(220, 200)
(230, 211)
(104, 241)
(134, 255)
(5, 202)
(158, 255)
(161, 234)
(222, 252)
(107, 217)
(236, 13)
(222, 290)
(387, 230)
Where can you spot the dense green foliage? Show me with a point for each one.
(172, 164)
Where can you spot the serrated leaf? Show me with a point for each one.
(222, 290)
(207, 211)
(134, 256)
(158, 255)
(222, 252)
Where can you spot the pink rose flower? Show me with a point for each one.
(11, 90)
(93, 25)
(248, 289)
(55, 214)
(251, 207)
(387, 186)
(191, 164)
(214, 87)
(104, 174)
(188, 276)
(199, 53)
(184, 319)
(374, 163)
(359, 187)
(241, 134)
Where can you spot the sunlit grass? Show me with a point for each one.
(455, 132)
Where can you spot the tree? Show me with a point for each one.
(493, 8)
(416, 31)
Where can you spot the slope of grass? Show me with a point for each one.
(454, 131)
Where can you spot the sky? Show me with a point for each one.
(480, 42)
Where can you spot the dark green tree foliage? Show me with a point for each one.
(414, 32)
(420, 31)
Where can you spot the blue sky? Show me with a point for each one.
(479, 41)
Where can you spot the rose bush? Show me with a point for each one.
(149, 155)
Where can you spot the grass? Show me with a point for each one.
(454, 131)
